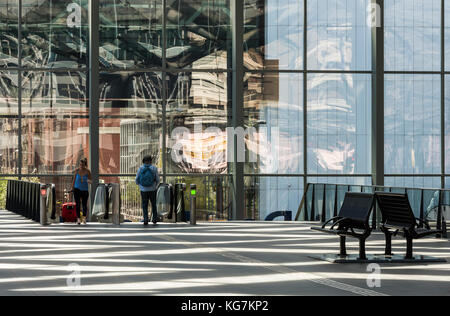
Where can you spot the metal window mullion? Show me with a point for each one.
(378, 98)
(165, 91)
(443, 166)
(237, 20)
(19, 93)
(305, 95)
(94, 96)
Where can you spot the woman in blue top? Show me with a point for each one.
(80, 186)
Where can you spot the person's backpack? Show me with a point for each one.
(146, 177)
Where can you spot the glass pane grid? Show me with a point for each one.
(413, 124)
(412, 35)
(55, 127)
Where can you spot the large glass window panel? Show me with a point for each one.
(339, 124)
(9, 93)
(273, 34)
(412, 35)
(273, 111)
(447, 124)
(447, 35)
(131, 94)
(55, 33)
(131, 33)
(124, 142)
(352, 181)
(130, 120)
(54, 93)
(265, 195)
(198, 34)
(9, 13)
(9, 148)
(412, 124)
(198, 116)
(339, 36)
(413, 182)
(447, 183)
(54, 145)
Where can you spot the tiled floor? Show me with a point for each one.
(235, 258)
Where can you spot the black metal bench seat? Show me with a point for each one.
(398, 219)
(353, 221)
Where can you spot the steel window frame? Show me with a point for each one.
(237, 71)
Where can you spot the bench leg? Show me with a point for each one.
(409, 247)
(343, 247)
(388, 250)
(362, 249)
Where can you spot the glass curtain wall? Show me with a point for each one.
(415, 93)
(165, 90)
(307, 98)
(43, 89)
(164, 68)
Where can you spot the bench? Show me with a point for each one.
(353, 221)
(398, 219)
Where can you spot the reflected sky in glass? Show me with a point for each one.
(9, 12)
(412, 124)
(447, 124)
(339, 124)
(273, 194)
(447, 35)
(339, 37)
(273, 34)
(274, 104)
(412, 35)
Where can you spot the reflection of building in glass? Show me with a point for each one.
(9, 152)
(198, 102)
(138, 138)
(53, 146)
(190, 84)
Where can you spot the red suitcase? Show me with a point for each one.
(69, 213)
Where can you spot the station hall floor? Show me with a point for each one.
(232, 259)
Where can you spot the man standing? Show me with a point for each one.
(147, 178)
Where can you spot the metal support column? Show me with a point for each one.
(165, 88)
(237, 20)
(19, 92)
(443, 94)
(305, 95)
(94, 96)
(378, 95)
(377, 99)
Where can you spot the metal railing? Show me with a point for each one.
(322, 202)
(35, 201)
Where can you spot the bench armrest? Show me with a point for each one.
(420, 221)
(338, 222)
(330, 220)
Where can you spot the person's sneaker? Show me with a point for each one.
(145, 223)
(154, 222)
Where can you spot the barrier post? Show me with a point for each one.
(193, 204)
(115, 202)
(43, 195)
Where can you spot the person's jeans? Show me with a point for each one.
(146, 197)
(81, 200)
